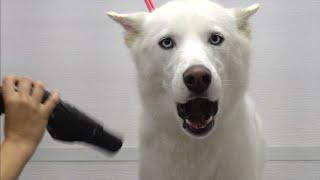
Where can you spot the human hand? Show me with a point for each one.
(25, 116)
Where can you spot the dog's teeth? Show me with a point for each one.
(199, 125)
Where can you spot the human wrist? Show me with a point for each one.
(23, 148)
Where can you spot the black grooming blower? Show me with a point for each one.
(67, 123)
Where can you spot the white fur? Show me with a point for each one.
(234, 149)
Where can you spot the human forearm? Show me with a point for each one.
(14, 156)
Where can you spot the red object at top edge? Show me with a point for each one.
(150, 5)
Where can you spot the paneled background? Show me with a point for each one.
(72, 45)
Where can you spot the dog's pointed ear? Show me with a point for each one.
(132, 23)
(243, 15)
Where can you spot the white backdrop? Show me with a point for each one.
(73, 46)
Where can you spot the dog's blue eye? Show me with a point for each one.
(216, 39)
(167, 43)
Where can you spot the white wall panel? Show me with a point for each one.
(72, 45)
(300, 170)
(80, 171)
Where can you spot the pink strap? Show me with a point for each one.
(150, 5)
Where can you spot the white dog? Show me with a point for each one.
(192, 59)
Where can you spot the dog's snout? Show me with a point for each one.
(197, 78)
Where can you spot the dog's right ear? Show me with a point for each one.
(132, 23)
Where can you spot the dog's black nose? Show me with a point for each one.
(197, 78)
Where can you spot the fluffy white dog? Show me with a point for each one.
(192, 59)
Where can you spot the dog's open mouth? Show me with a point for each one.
(198, 115)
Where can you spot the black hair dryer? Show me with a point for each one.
(66, 123)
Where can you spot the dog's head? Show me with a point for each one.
(196, 53)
